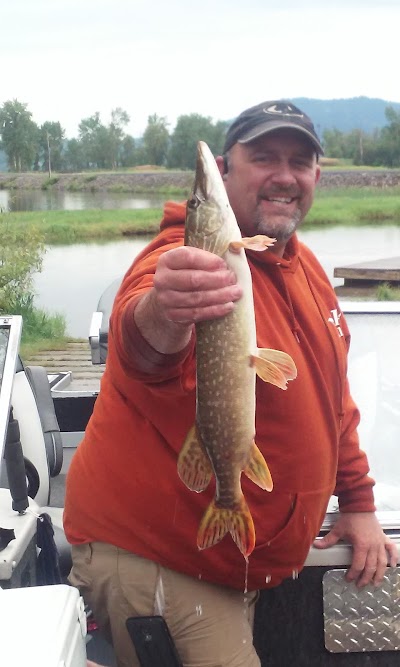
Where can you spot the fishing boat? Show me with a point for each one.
(314, 619)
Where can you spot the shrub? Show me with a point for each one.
(49, 182)
(386, 292)
(21, 252)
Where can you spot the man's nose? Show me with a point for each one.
(283, 173)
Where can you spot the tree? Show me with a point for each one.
(90, 130)
(188, 131)
(119, 120)
(19, 135)
(74, 159)
(390, 137)
(334, 143)
(50, 147)
(156, 140)
(101, 144)
(128, 152)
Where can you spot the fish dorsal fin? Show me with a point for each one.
(259, 243)
(274, 366)
(257, 469)
(194, 467)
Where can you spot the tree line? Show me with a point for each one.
(99, 145)
(380, 148)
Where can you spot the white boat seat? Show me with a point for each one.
(98, 333)
(41, 445)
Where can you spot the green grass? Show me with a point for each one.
(355, 206)
(386, 292)
(65, 227)
(41, 330)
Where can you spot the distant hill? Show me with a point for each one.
(363, 113)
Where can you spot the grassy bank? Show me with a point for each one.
(62, 227)
(341, 206)
(352, 206)
(41, 330)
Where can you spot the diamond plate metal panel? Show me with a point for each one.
(359, 620)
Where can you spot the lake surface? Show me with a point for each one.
(56, 200)
(74, 276)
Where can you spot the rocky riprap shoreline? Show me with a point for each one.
(159, 181)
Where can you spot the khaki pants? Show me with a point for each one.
(212, 626)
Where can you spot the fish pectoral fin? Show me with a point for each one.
(257, 469)
(259, 242)
(274, 366)
(218, 521)
(194, 467)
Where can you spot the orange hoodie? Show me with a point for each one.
(123, 487)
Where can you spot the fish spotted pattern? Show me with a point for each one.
(221, 442)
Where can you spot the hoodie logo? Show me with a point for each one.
(335, 320)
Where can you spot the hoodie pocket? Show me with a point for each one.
(284, 554)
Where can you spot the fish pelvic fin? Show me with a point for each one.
(259, 242)
(194, 467)
(257, 469)
(218, 521)
(274, 366)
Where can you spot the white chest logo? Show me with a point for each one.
(335, 320)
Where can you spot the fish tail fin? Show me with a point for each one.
(257, 469)
(218, 521)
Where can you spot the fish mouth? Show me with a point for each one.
(200, 186)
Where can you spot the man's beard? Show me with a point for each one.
(278, 227)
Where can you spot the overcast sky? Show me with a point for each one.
(68, 59)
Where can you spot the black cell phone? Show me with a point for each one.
(153, 642)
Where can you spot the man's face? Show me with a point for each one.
(270, 184)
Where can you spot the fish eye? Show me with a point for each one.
(193, 202)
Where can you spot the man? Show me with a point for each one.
(132, 522)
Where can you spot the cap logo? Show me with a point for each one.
(283, 109)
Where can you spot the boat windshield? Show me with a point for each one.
(374, 375)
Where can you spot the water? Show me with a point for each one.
(338, 246)
(49, 200)
(74, 276)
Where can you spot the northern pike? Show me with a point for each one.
(221, 442)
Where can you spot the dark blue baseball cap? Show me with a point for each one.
(267, 117)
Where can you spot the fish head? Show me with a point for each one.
(210, 221)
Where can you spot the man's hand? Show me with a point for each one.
(190, 285)
(372, 549)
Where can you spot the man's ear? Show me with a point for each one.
(222, 165)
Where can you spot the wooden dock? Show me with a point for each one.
(75, 358)
(365, 277)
